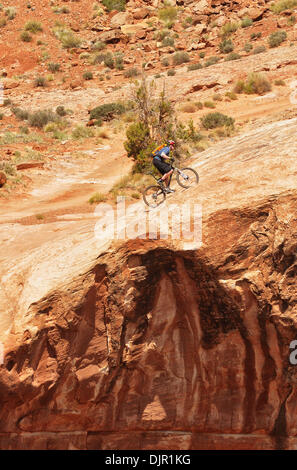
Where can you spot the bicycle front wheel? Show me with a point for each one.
(153, 196)
(187, 177)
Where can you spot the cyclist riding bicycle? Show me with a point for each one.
(164, 168)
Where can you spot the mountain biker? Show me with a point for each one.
(164, 168)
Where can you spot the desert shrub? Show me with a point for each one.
(168, 41)
(40, 81)
(10, 12)
(97, 59)
(108, 111)
(256, 83)
(97, 197)
(88, 76)
(292, 20)
(167, 14)
(229, 28)
(118, 5)
(7, 102)
(109, 60)
(21, 114)
(211, 61)
(119, 61)
(33, 26)
(188, 108)
(160, 35)
(61, 111)
(171, 72)
(67, 38)
(138, 137)
(194, 67)
(129, 73)
(259, 49)
(214, 120)
(53, 67)
(209, 104)
(180, 58)
(246, 22)
(98, 46)
(280, 83)
(248, 47)
(199, 105)
(282, 5)
(276, 38)
(202, 55)
(231, 95)
(40, 118)
(165, 62)
(81, 132)
(226, 46)
(25, 36)
(233, 56)
(256, 35)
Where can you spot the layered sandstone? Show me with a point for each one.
(148, 345)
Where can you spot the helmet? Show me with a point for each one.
(171, 142)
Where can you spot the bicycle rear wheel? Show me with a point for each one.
(153, 196)
(187, 177)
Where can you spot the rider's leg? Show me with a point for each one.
(166, 177)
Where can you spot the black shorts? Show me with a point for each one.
(161, 166)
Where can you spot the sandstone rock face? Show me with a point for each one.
(147, 336)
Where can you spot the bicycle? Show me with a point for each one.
(154, 195)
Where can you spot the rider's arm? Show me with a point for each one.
(164, 155)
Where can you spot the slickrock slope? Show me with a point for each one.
(145, 345)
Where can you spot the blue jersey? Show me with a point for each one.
(165, 150)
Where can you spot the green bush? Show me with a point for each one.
(276, 38)
(138, 137)
(180, 58)
(167, 14)
(33, 26)
(40, 81)
(211, 61)
(256, 83)
(226, 46)
(246, 22)
(214, 120)
(259, 50)
(118, 5)
(25, 36)
(109, 60)
(171, 72)
(248, 47)
(88, 76)
(97, 197)
(41, 118)
(10, 12)
(231, 95)
(129, 73)
(292, 20)
(98, 46)
(194, 67)
(256, 35)
(282, 5)
(107, 112)
(21, 114)
(233, 56)
(165, 62)
(229, 28)
(209, 104)
(168, 41)
(280, 83)
(53, 67)
(81, 132)
(61, 111)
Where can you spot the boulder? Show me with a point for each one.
(140, 13)
(111, 37)
(119, 19)
(3, 179)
